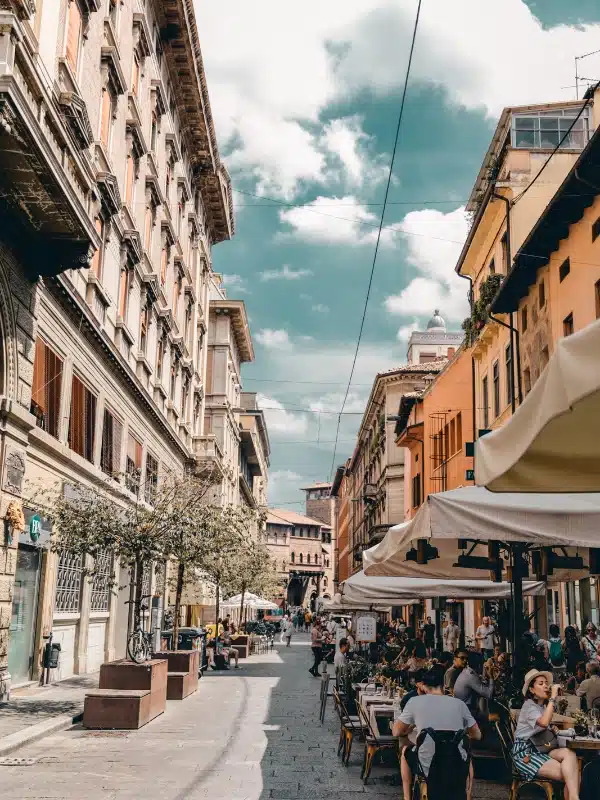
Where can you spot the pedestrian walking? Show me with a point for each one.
(307, 620)
(287, 630)
(283, 628)
(486, 635)
(316, 641)
(429, 635)
(451, 635)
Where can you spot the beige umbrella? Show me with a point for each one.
(552, 443)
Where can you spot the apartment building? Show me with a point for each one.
(112, 195)
(322, 505)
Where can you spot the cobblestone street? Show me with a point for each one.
(247, 734)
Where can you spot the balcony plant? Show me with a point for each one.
(474, 324)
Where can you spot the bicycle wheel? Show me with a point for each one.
(137, 647)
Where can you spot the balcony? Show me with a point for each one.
(45, 183)
(206, 449)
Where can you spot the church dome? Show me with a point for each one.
(436, 323)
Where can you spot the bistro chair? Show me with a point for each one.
(374, 743)
(350, 727)
(325, 693)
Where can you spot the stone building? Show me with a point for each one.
(321, 505)
(296, 545)
(112, 194)
(434, 343)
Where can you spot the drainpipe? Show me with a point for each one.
(514, 333)
(473, 393)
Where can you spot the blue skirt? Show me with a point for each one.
(524, 749)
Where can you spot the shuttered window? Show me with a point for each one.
(135, 76)
(112, 436)
(129, 171)
(133, 467)
(164, 260)
(47, 384)
(82, 423)
(105, 118)
(74, 26)
(151, 478)
(123, 292)
(148, 229)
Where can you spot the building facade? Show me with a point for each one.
(434, 343)
(112, 193)
(341, 489)
(296, 544)
(322, 505)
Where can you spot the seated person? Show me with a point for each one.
(458, 664)
(589, 689)
(431, 709)
(535, 717)
(470, 686)
(416, 689)
(341, 656)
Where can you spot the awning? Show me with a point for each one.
(476, 514)
(551, 443)
(250, 601)
(393, 590)
(340, 605)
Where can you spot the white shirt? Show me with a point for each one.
(451, 633)
(340, 660)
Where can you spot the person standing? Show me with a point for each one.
(451, 635)
(429, 635)
(307, 620)
(283, 628)
(287, 630)
(316, 642)
(486, 635)
(591, 642)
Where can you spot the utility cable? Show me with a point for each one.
(385, 199)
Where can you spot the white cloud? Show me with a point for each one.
(434, 257)
(346, 141)
(405, 331)
(319, 308)
(331, 403)
(286, 273)
(235, 283)
(281, 422)
(274, 339)
(349, 223)
(278, 66)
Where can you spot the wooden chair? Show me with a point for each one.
(373, 744)
(350, 727)
(325, 693)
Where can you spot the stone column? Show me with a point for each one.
(83, 627)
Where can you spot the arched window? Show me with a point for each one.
(301, 558)
(293, 557)
(308, 559)
(324, 581)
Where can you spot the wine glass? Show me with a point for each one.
(594, 715)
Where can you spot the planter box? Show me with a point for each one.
(181, 660)
(181, 684)
(242, 645)
(121, 709)
(151, 675)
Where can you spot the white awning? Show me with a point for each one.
(393, 590)
(340, 605)
(551, 444)
(474, 513)
(250, 601)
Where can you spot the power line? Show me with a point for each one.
(387, 191)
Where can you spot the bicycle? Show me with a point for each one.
(139, 643)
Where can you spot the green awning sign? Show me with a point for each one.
(35, 527)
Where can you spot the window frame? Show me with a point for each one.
(485, 401)
(564, 269)
(88, 443)
(568, 325)
(496, 388)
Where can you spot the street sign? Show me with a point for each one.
(35, 527)
(470, 476)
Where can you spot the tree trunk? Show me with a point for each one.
(139, 589)
(176, 613)
(242, 606)
(217, 609)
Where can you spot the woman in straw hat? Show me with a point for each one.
(554, 763)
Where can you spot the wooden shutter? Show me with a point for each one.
(148, 228)
(38, 395)
(135, 76)
(82, 423)
(105, 114)
(129, 181)
(163, 266)
(73, 34)
(123, 293)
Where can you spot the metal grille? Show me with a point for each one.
(146, 580)
(68, 581)
(101, 581)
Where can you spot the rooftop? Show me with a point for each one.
(325, 485)
(281, 516)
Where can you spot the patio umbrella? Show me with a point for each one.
(476, 514)
(365, 588)
(551, 444)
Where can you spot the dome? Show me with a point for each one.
(436, 323)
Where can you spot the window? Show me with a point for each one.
(301, 558)
(308, 559)
(176, 295)
(596, 230)
(564, 269)
(452, 437)
(523, 319)
(110, 455)
(135, 75)
(164, 263)
(496, 380)
(546, 130)
(154, 132)
(492, 267)
(508, 369)
(82, 422)
(187, 323)
(451, 351)
(129, 175)
(160, 358)
(98, 258)
(133, 464)
(168, 179)
(485, 402)
(185, 393)
(106, 117)
(426, 358)
(542, 294)
(293, 557)
(144, 325)
(113, 11)
(416, 491)
(568, 328)
(527, 380)
(74, 30)
(123, 293)
(504, 248)
(149, 223)
(459, 439)
(46, 388)
(173, 381)
(597, 298)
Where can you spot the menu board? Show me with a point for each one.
(366, 627)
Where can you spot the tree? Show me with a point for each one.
(254, 571)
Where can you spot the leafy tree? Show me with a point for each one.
(254, 572)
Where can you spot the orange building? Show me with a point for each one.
(341, 488)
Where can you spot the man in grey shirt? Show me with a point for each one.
(590, 687)
(432, 709)
(469, 686)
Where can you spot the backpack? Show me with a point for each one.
(449, 769)
(556, 655)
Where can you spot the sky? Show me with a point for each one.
(305, 98)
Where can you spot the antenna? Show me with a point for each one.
(577, 78)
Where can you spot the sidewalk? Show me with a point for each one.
(36, 711)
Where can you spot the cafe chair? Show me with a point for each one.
(325, 694)
(374, 744)
(350, 728)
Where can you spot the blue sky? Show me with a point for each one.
(305, 98)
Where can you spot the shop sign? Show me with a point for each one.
(38, 529)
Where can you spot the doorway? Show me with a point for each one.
(24, 614)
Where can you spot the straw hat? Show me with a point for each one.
(532, 675)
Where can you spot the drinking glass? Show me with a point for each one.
(594, 715)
